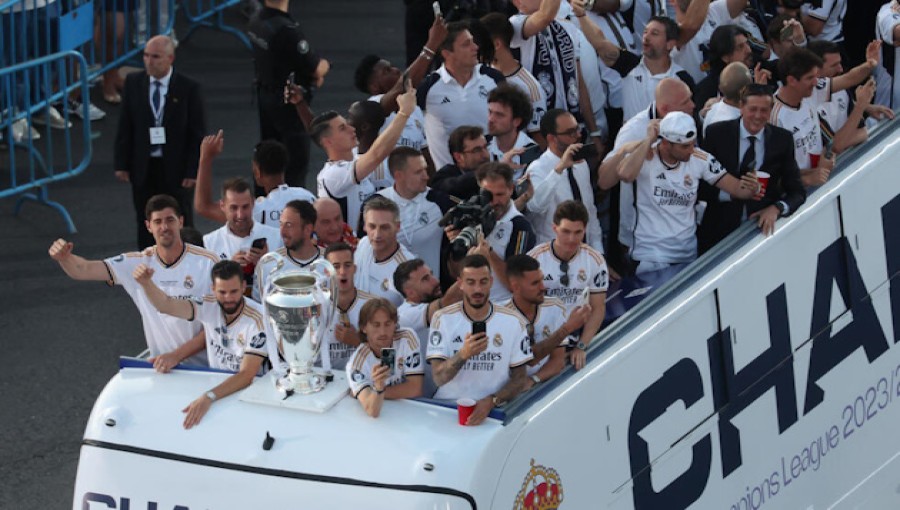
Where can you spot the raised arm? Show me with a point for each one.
(691, 20)
(540, 19)
(180, 308)
(859, 73)
(631, 165)
(387, 140)
(78, 268)
(210, 148)
(419, 67)
(444, 370)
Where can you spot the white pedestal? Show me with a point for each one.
(263, 391)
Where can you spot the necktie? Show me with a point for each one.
(576, 193)
(748, 162)
(156, 98)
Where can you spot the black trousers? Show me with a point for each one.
(278, 121)
(155, 184)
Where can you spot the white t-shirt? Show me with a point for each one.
(587, 270)
(485, 373)
(832, 13)
(889, 17)
(836, 111)
(419, 231)
(225, 244)
(552, 189)
(407, 362)
(267, 209)
(527, 83)
(666, 220)
(563, 37)
(690, 56)
(189, 277)
(261, 277)
(448, 105)
(338, 351)
(639, 87)
(226, 344)
(720, 112)
(337, 180)
(550, 316)
(803, 122)
(377, 276)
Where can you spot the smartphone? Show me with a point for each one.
(522, 187)
(259, 243)
(787, 33)
(479, 327)
(436, 7)
(404, 79)
(585, 296)
(586, 151)
(291, 79)
(532, 152)
(828, 153)
(389, 358)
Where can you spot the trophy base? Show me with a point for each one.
(302, 384)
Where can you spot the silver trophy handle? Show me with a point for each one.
(326, 280)
(279, 264)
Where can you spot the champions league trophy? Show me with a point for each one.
(300, 304)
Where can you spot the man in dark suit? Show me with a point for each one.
(160, 129)
(749, 144)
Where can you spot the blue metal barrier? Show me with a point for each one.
(64, 150)
(208, 13)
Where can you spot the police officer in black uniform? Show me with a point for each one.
(281, 52)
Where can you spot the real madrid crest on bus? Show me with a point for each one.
(541, 490)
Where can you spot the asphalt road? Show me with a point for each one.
(61, 339)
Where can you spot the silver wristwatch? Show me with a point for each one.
(211, 396)
(536, 379)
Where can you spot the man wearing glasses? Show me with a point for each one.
(559, 175)
(574, 273)
(469, 150)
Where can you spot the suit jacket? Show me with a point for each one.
(723, 141)
(183, 117)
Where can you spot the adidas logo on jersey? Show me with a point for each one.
(661, 176)
(446, 100)
(457, 340)
(548, 278)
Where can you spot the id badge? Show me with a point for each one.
(157, 136)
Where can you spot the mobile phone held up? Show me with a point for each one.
(586, 151)
(259, 243)
(479, 327)
(532, 152)
(389, 358)
(436, 7)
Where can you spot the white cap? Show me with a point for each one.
(678, 127)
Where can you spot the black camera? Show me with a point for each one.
(467, 217)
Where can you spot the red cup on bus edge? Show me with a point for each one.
(763, 178)
(814, 160)
(464, 407)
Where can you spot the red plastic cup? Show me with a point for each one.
(465, 407)
(814, 160)
(763, 178)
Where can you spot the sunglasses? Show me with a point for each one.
(529, 328)
(564, 279)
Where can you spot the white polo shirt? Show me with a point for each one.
(639, 87)
(448, 105)
(485, 373)
(552, 189)
(267, 209)
(377, 276)
(419, 231)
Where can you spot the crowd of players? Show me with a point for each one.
(548, 136)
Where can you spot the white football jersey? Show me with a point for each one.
(377, 276)
(407, 362)
(666, 221)
(187, 278)
(413, 134)
(690, 56)
(413, 316)
(227, 343)
(485, 373)
(419, 231)
(527, 83)
(338, 351)
(267, 209)
(586, 270)
(803, 122)
(551, 315)
(337, 180)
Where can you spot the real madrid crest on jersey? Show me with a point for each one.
(358, 376)
(423, 218)
(582, 275)
(482, 91)
(188, 282)
(688, 181)
(384, 285)
(546, 331)
(240, 339)
(500, 231)
(435, 339)
(498, 340)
